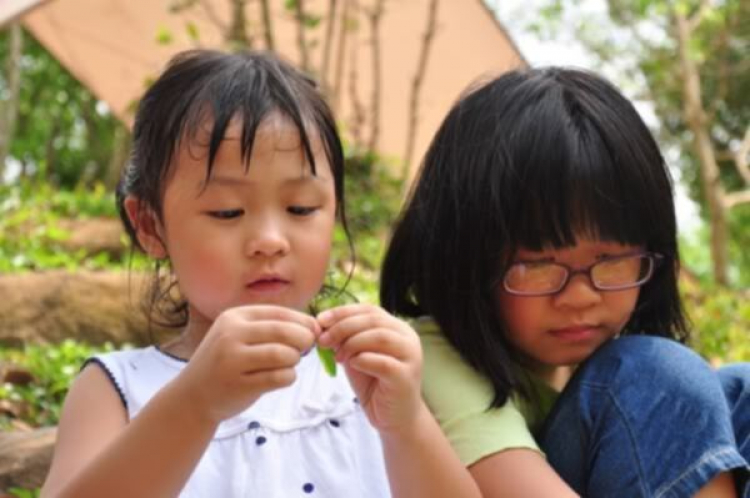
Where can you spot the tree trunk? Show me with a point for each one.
(416, 86)
(358, 112)
(340, 56)
(50, 154)
(375, 15)
(120, 154)
(9, 110)
(267, 25)
(695, 116)
(301, 42)
(237, 37)
(327, 45)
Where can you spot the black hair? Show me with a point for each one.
(207, 86)
(529, 160)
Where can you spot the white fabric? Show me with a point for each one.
(309, 439)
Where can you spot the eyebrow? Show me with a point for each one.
(233, 181)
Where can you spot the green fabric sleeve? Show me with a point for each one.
(459, 397)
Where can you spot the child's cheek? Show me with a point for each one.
(208, 280)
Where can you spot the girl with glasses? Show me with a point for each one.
(538, 258)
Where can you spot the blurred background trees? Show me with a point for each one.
(61, 150)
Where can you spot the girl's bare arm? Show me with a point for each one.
(98, 453)
(518, 473)
(421, 463)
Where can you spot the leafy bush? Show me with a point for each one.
(50, 369)
(31, 234)
(720, 321)
(24, 493)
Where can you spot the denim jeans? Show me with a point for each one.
(648, 417)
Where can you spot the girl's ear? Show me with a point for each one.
(147, 227)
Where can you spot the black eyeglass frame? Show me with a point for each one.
(655, 260)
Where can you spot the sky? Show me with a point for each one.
(564, 49)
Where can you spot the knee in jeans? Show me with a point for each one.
(647, 362)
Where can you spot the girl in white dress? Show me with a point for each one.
(234, 187)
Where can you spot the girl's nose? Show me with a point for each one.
(579, 293)
(266, 238)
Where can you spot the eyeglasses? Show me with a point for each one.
(613, 273)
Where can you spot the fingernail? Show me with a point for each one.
(324, 339)
(324, 317)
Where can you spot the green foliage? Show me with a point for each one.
(52, 369)
(164, 36)
(32, 236)
(372, 199)
(24, 493)
(720, 321)
(63, 134)
(309, 20)
(696, 254)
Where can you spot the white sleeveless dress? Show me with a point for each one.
(311, 439)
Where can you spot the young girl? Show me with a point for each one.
(539, 247)
(235, 184)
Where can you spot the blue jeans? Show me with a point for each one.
(648, 417)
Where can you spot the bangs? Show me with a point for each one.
(246, 95)
(572, 182)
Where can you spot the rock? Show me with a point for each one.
(25, 458)
(90, 306)
(94, 235)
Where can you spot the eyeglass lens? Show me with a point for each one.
(613, 273)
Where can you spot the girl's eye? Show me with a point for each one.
(301, 210)
(226, 214)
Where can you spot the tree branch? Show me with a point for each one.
(301, 43)
(696, 120)
(327, 45)
(416, 85)
(340, 56)
(733, 199)
(267, 25)
(9, 108)
(374, 16)
(212, 17)
(358, 112)
(694, 21)
(741, 157)
(237, 37)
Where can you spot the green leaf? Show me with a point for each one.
(192, 31)
(327, 358)
(164, 36)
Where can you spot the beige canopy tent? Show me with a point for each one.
(115, 47)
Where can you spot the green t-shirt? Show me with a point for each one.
(459, 397)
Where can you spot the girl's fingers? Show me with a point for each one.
(259, 357)
(383, 367)
(277, 313)
(330, 317)
(267, 380)
(268, 331)
(344, 327)
(379, 340)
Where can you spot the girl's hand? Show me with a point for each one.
(383, 359)
(248, 351)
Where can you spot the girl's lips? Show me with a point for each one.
(268, 285)
(576, 333)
